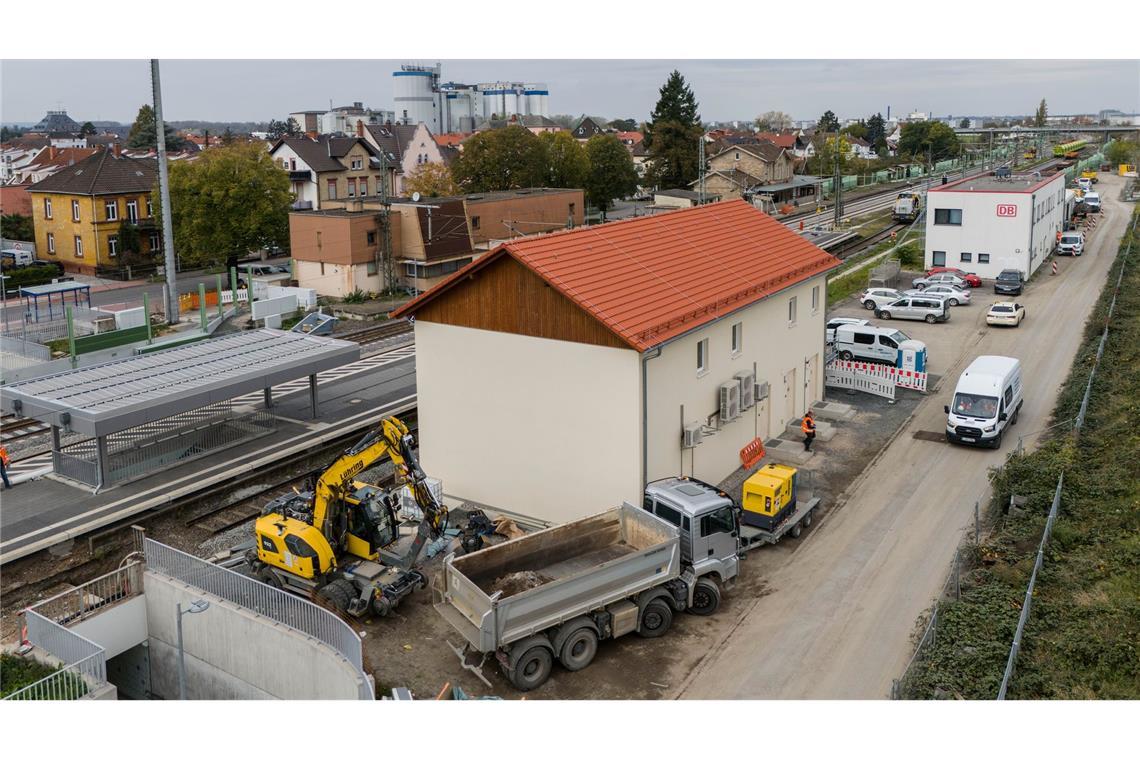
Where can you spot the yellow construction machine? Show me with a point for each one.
(332, 543)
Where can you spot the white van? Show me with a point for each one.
(987, 399)
(1072, 243)
(14, 257)
(869, 343)
(1092, 200)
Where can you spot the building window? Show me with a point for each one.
(149, 209)
(113, 245)
(357, 164)
(78, 247)
(47, 208)
(737, 337)
(967, 257)
(351, 188)
(284, 164)
(332, 189)
(292, 164)
(371, 238)
(155, 242)
(75, 210)
(363, 186)
(815, 299)
(948, 216)
(792, 310)
(132, 211)
(983, 258)
(572, 207)
(938, 259)
(372, 269)
(702, 356)
(112, 210)
(474, 222)
(51, 243)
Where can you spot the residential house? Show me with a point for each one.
(452, 139)
(640, 155)
(14, 199)
(736, 169)
(13, 159)
(621, 353)
(677, 198)
(860, 148)
(586, 129)
(50, 160)
(409, 146)
(629, 139)
(330, 168)
(351, 119)
(535, 123)
(79, 211)
(67, 140)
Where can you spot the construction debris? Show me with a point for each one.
(516, 583)
(505, 526)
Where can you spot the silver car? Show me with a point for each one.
(873, 298)
(916, 307)
(942, 278)
(947, 293)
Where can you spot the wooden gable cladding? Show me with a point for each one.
(507, 297)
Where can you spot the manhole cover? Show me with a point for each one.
(929, 435)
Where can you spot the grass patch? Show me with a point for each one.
(18, 672)
(1081, 638)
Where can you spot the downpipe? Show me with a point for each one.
(645, 357)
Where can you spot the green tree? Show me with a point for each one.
(773, 121)
(229, 201)
(287, 128)
(876, 130)
(131, 249)
(920, 139)
(672, 135)
(827, 122)
(228, 137)
(567, 164)
(500, 159)
(964, 124)
(1042, 114)
(143, 133)
(612, 173)
(431, 181)
(87, 129)
(7, 133)
(823, 163)
(1121, 152)
(17, 227)
(858, 129)
(624, 125)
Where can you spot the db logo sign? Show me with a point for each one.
(1007, 209)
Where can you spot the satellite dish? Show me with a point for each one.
(415, 197)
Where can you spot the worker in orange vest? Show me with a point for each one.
(808, 428)
(4, 460)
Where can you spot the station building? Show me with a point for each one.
(987, 224)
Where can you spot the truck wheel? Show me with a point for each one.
(655, 619)
(807, 518)
(706, 598)
(797, 529)
(846, 356)
(579, 649)
(997, 440)
(532, 669)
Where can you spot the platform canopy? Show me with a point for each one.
(112, 397)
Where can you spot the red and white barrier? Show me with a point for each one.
(903, 378)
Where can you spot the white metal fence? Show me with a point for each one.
(85, 664)
(92, 597)
(275, 604)
(25, 348)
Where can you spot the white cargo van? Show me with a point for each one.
(14, 257)
(987, 399)
(869, 343)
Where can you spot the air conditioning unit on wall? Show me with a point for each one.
(729, 401)
(691, 435)
(747, 382)
(761, 392)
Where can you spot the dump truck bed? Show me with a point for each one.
(506, 592)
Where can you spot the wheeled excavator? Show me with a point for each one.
(332, 544)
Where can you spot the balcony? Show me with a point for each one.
(300, 175)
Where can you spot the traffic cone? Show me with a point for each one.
(1054, 266)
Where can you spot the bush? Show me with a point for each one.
(37, 274)
(356, 296)
(910, 257)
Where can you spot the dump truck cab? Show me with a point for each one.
(709, 522)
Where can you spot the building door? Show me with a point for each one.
(789, 396)
(763, 419)
(811, 366)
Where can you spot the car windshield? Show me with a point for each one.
(1008, 276)
(898, 336)
(1070, 239)
(969, 405)
(1005, 309)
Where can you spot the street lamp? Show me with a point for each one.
(198, 605)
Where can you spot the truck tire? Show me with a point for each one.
(796, 530)
(532, 669)
(579, 649)
(807, 518)
(846, 356)
(706, 598)
(655, 619)
(336, 594)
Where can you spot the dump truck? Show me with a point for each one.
(554, 594)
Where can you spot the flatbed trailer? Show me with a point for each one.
(752, 537)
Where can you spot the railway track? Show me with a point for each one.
(13, 428)
(856, 245)
(389, 329)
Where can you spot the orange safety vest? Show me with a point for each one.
(808, 425)
(4, 455)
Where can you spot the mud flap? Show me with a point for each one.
(471, 660)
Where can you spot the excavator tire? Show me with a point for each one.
(268, 577)
(336, 594)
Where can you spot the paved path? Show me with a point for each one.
(838, 620)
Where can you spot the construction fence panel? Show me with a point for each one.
(873, 384)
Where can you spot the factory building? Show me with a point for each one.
(421, 96)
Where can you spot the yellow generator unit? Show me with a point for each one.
(769, 496)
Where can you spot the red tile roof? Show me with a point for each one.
(451, 138)
(653, 278)
(785, 141)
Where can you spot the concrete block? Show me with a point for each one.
(834, 411)
(782, 451)
(824, 431)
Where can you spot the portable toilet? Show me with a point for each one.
(769, 496)
(912, 356)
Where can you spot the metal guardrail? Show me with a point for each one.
(92, 597)
(85, 663)
(275, 604)
(25, 348)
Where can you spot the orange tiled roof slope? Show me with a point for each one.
(653, 278)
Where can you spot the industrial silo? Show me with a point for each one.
(414, 94)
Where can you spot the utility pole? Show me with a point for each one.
(701, 167)
(169, 261)
(387, 269)
(838, 185)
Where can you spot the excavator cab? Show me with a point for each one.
(372, 522)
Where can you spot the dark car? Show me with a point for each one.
(1008, 283)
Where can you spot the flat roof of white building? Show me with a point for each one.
(1023, 183)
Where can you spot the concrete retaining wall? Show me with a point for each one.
(233, 653)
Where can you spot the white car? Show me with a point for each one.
(834, 322)
(947, 293)
(1084, 183)
(873, 298)
(942, 278)
(1006, 313)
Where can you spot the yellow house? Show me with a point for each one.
(80, 211)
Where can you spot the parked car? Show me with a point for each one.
(1009, 282)
(948, 293)
(1005, 313)
(1072, 244)
(873, 298)
(942, 278)
(971, 279)
(916, 307)
(1092, 200)
(1084, 183)
(829, 329)
(869, 343)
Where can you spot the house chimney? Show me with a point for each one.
(51, 152)
(359, 128)
(116, 149)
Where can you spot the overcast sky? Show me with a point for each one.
(257, 90)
